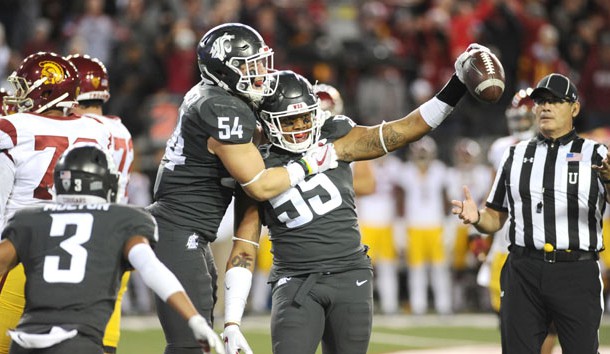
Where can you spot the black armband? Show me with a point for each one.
(452, 92)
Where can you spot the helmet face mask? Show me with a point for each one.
(235, 57)
(293, 102)
(43, 81)
(86, 173)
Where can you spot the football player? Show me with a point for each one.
(44, 86)
(321, 275)
(94, 92)
(74, 253)
(210, 149)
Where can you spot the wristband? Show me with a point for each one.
(296, 173)
(306, 167)
(452, 92)
(478, 219)
(605, 181)
(434, 112)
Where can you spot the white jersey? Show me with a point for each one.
(424, 194)
(379, 208)
(477, 177)
(497, 148)
(32, 144)
(122, 150)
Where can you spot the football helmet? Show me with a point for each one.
(294, 97)
(44, 80)
(235, 57)
(519, 116)
(466, 152)
(93, 78)
(424, 149)
(6, 109)
(86, 173)
(330, 98)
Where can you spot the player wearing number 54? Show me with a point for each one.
(74, 253)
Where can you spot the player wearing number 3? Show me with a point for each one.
(322, 280)
(74, 252)
(31, 141)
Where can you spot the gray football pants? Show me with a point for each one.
(194, 267)
(336, 309)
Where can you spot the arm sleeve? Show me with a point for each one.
(154, 273)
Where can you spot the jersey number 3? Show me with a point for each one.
(75, 273)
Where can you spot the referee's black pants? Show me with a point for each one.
(535, 292)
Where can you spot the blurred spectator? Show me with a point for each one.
(542, 58)
(41, 39)
(180, 63)
(381, 93)
(594, 85)
(96, 28)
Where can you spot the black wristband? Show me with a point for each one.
(605, 181)
(305, 167)
(478, 219)
(452, 92)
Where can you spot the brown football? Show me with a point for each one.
(484, 76)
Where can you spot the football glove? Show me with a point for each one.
(459, 62)
(204, 334)
(320, 158)
(235, 340)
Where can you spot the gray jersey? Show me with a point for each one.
(193, 189)
(313, 226)
(73, 260)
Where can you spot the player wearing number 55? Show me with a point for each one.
(74, 252)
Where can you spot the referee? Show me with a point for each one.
(552, 189)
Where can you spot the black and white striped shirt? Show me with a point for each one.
(551, 193)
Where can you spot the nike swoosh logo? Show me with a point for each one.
(321, 161)
(359, 283)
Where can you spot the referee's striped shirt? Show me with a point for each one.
(551, 193)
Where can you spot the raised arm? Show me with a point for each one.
(363, 143)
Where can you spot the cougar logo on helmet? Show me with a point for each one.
(52, 71)
(222, 46)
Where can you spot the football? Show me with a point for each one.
(484, 76)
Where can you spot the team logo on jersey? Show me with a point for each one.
(192, 242)
(52, 71)
(222, 46)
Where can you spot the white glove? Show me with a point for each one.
(459, 62)
(235, 340)
(204, 334)
(321, 158)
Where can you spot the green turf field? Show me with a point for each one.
(388, 335)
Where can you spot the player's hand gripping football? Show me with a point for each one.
(461, 60)
(204, 334)
(235, 340)
(320, 158)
